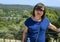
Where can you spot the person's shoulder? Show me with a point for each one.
(46, 18)
(28, 19)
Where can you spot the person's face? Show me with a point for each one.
(39, 11)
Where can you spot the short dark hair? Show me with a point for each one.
(39, 4)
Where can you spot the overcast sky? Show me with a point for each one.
(32, 2)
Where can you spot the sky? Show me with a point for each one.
(32, 2)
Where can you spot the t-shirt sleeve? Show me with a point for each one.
(26, 22)
(48, 21)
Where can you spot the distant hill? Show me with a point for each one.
(58, 8)
(22, 7)
(18, 7)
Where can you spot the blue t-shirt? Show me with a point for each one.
(34, 27)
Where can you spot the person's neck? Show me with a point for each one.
(37, 18)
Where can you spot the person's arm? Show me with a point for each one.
(52, 27)
(24, 33)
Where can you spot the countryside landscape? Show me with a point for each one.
(12, 19)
